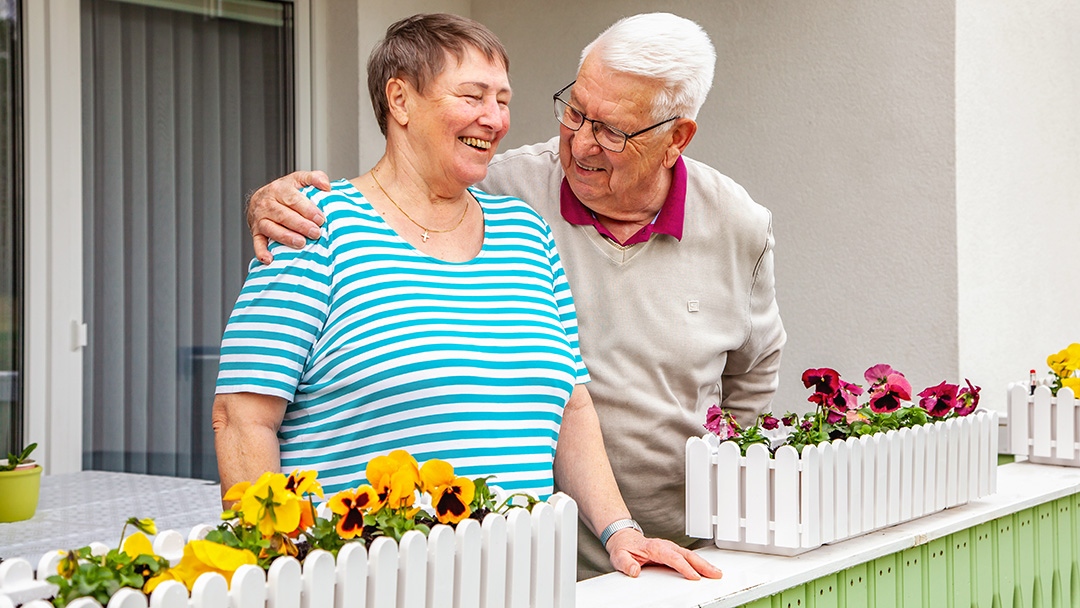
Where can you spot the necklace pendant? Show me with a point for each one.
(425, 236)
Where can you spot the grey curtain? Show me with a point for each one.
(182, 114)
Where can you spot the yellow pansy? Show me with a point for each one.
(267, 504)
(394, 478)
(302, 483)
(200, 557)
(1066, 361)
(1073, 383)
(235, 493)
(450, 495)
(137, 544)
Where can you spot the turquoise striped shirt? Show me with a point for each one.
(377, 346)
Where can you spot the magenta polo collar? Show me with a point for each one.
(669, 221)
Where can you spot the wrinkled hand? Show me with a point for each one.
(278, 211)
(630, 550)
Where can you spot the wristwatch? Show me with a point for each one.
(615, 526)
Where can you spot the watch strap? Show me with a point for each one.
(615, 526)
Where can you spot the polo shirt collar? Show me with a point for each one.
(669, 221)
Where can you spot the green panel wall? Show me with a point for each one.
(1030, 559)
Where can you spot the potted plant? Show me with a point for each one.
(414, 535)
(1043, 418)
(20, 483)
(790, 484)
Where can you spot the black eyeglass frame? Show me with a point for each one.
(626, 136)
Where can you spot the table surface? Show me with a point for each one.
(76, 509)
(751, 576)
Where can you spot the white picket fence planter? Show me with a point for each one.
(522, 559)
(1043, 427)
(788, 505)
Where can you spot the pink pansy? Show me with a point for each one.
(968, 399)
(847, 396)
(769, 422)
(721, 423)
(878, 374)
(939, 401)
(887, 395)
(833, 415)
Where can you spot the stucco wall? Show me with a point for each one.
(839, 118)
(1018, 185)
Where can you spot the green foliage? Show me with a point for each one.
(396, 522)
(99, 577)
(14, 460)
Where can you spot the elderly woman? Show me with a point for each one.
(428, 316)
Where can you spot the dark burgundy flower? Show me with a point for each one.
(824, 380)
(769, 422)
(968, 399)
(939, 401)
(790, 420)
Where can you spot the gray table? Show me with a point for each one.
(79, 508)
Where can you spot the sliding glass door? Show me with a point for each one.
(185, 109)
(11, 228)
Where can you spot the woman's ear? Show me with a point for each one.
(397, 97)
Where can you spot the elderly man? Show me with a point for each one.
(670, 262)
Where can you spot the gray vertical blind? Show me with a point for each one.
(182, 114)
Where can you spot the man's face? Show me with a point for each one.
(629, 185)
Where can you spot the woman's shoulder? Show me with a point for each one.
(341, 191)
(510, 210)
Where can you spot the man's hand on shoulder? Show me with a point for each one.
(278, 211)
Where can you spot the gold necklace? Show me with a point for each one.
(426, 230)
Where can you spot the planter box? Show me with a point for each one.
(1042, 427)
(787, 505)
(523, 559)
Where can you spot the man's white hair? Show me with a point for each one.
(667, 48)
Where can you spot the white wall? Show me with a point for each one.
(839, 118)
(917, 158)
(1018, 185)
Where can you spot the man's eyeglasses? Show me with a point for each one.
(607, 136)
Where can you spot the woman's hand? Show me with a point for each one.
(630, 550)
(279, 212)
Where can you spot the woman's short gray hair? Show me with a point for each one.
(670, 49)
(415, 50)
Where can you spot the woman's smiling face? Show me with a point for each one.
(456, 124)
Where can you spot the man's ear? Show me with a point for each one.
(397, 98)
(678, 138)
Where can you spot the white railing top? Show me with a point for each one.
(751, 576)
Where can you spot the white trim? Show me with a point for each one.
(53, 391)
(302, 82)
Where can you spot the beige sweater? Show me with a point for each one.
(667, 328)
